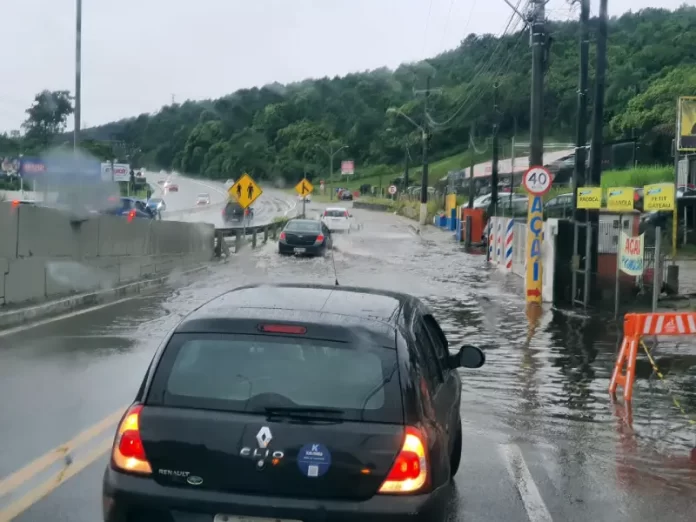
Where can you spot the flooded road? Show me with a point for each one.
(542, 440)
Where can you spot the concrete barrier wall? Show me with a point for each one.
(44, 253)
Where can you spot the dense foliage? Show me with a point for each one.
(285, 131)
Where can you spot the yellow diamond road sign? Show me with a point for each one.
(304, 188)
(245, 191)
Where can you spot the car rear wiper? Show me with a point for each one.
(302, 410)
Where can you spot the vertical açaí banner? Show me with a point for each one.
(631, 254)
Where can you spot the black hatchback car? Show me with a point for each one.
(296, 403)
(233, 211)
(305, 237)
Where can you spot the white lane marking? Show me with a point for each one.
(519, 472)
(29, 326)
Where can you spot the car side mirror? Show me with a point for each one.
(469, 357)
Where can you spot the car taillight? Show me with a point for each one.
(409, 473)
(319, 240)
(15, 203)
(131, 215)
(282, 236)
(326, 213)
(128, 453)
(346, 214)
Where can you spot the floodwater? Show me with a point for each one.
(539, 404)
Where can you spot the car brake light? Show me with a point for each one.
(131, 215)
(409, 473)
(319, 240)
(15, 203)
(346, 214)
(283, 328)
(128, 453)
(326, 213)
(282, 236)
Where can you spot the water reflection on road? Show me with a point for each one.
(543, 389)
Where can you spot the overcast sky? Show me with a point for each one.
(139, 54)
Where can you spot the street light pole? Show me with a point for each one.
(78, 73)
(424, 179)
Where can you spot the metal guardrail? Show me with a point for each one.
(240, 234)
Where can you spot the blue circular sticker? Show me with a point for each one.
(314, 460)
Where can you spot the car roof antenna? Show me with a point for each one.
(333, 262)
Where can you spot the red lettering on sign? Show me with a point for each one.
(632, 246)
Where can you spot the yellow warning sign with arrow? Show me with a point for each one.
(304, 188)
(245, 191)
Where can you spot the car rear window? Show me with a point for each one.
(303, 226)
(249, 373)
(335, 213)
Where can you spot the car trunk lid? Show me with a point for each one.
(289, 456)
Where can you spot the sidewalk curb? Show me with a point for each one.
(69, 304)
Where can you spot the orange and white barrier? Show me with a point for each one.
(637, 326)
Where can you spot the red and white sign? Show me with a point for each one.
(121, 172)
(537, 181)
(347, 167)
(392, 189)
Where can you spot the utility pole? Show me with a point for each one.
(78, 74)
(408, 158)
(597, 134)
(538, 42)
(512, 160)
(331, 153)
(580, 217)
(472, 150)
(493, 210)
(425, 135)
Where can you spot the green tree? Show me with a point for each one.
(47, 117)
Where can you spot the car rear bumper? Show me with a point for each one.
(310, 250)
(129, 498)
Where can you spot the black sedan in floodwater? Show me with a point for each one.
(305, 237)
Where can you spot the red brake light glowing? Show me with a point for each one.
(131, 216)
(128, 453)
(283, 329)
(15, 203)
(282, 236)
(320, 239)
(409, 473)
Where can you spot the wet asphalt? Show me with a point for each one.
(542, 440)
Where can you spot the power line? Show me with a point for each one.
(481, 69)
(473, 95)
(427, 26)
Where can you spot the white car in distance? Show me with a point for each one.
(307, 198)
(337, 219)
(203, 199)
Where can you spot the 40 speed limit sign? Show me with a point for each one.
(537, 181)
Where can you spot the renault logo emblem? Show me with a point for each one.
(264, 437)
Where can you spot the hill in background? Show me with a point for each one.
(278, 131)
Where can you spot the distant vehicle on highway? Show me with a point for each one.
(157, 204)
(259, 404)
(305, 237)
(229, 183)
(307, 198)
(203, 199)
(337, 219)
(233, 212)
(172, 187)
(345, 195)
(132, 208)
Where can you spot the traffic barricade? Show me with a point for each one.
(636, 326)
